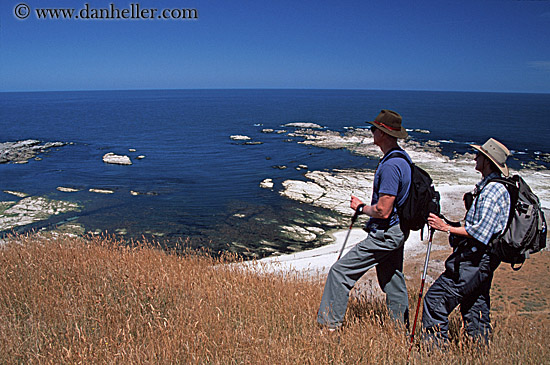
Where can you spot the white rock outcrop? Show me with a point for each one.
(33, 209)
(330, 190)
(116, 159)
(22, 151)
(238, 137)
(267, 184)
(67, 190)
(101, 191)
(16, 193)
(303, 125)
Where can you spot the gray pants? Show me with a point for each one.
(383, 249)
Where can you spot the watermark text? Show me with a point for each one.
(133, 11)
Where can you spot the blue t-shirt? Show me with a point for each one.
(392, 177)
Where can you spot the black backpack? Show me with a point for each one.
(526, 230)
(422, 200)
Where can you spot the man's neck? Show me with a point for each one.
(388, 147)
(492, 174)
(488, 171)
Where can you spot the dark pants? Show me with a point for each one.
(466, 281)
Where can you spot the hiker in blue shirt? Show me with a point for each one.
(469, 269)
(384, 245)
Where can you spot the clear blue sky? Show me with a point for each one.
(500, 45)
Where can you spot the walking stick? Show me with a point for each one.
(421, 287)
(353, 219)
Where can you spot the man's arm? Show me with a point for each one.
(439, 224)
(382, 209)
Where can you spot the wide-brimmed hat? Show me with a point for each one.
(389, 122)
(496, 152)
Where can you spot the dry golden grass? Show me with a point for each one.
(65, 300)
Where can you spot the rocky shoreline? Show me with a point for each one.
(22, 151)
(327, 189)
(453, 176)
(32, 209)
(332, 189)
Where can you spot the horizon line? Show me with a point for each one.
(273, 88)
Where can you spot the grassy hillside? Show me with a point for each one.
(69, 300)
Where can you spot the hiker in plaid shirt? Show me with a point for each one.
(490, 213)
(468, 273)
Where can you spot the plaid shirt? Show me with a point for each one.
(489, 213)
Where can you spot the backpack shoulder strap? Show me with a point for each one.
(510, 183)
(397, 152)
(511, 186)
(507, 182)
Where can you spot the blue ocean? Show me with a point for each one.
(197, 184)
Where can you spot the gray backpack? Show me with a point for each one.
(525, 232)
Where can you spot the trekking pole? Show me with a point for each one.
(421, 287)
(353, 219)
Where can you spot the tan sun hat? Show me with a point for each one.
(496, 152)
(389, 122)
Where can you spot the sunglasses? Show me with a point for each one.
(372, 129)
